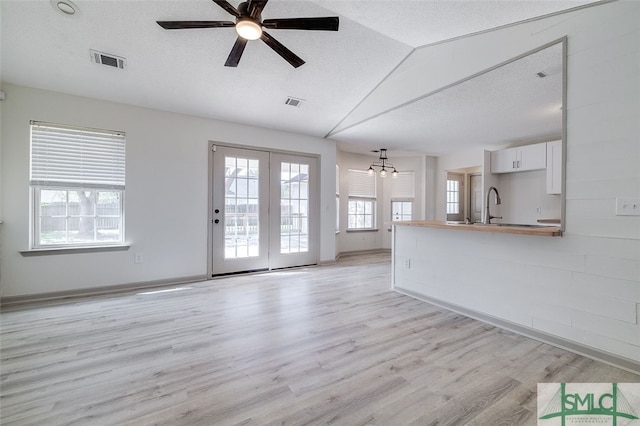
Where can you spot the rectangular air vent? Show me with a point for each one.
(294, 102)
(108, 59)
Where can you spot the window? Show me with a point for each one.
(294, 207)
(401, 210)
(402, 196)
(455, 201)
(361, 214)
(77, 186)
(362, 200)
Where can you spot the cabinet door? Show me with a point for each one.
(554, 167)
(532, 157)
(503, 161)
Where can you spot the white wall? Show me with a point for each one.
(585, 286)
(522, 194)
(166, 154)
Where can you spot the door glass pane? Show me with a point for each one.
(401, 210)
(241, 208)
(294, 208)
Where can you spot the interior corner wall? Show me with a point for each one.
(166, 192)
(380, 239)
(429, 177)
(365, 240)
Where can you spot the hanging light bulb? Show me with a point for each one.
(394, 174)
(371, 171)
(383, 173)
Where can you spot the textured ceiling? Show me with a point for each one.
(507, 104)
(421, 22)
(182, 70)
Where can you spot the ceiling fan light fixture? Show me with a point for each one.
(248, 29)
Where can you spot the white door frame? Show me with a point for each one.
(314, 189)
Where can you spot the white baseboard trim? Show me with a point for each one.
(359, 252)
(97, 291)
(571, 346)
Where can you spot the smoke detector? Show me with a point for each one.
(107, 59)
(64, 7)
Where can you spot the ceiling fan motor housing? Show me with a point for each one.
(243, 8)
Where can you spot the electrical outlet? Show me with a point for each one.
(138, 258)
(538, 210)
(627, 206)
(407, 263)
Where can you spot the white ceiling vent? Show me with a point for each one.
(108, 59)
(294, 102)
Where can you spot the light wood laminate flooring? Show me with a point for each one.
(320, 345)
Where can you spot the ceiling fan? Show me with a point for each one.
(249, 26)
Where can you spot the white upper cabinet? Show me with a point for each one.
(554, 167)
(519, 159)
(504, 161)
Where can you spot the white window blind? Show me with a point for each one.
(76, 157)
(403, 185)
(361, 184)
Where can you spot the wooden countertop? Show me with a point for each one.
(541, 231)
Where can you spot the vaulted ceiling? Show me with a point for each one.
(183, 70)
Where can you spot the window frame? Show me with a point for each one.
(402, 200)
(68, 185)
(36, 234)
(363, 187)
(403, 191)
(373, 214)
(455, 197)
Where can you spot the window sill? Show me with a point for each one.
(73, 250)
(363, 230)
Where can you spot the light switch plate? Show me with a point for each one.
(627, 206)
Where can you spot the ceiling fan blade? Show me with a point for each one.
(255, 7)
(329, 23)
(236, 52)
(226, 6)
(279, 48)
(180, 25)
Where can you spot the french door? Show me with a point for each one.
(263, 210)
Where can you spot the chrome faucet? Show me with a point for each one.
(487, 213)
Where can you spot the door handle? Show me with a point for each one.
(216, 211)
(217, 221)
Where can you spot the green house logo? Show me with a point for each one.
(588, 403)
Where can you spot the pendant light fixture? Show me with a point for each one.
(383, 164)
